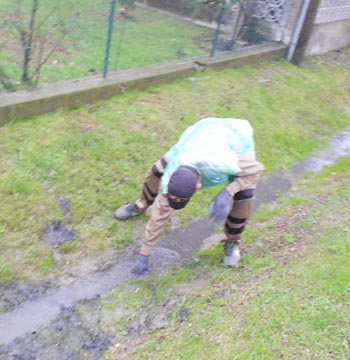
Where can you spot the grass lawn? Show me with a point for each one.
(288, 300)
(149, 39)
(95, 157)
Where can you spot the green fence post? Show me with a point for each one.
(217, 32)
(109, 37)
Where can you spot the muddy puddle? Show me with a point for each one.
(53, 311)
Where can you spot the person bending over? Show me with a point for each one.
(208, 153)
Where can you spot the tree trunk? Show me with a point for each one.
(28, 43)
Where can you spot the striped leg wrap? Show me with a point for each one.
(239, 215)
(151, 185)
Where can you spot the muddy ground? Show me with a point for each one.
(39, 321)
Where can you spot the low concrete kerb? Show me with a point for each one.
(68, 94)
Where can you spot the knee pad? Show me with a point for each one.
(244, 194)
(159, 167)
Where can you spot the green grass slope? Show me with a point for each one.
(95, 157)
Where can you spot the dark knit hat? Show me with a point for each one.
(182, 185)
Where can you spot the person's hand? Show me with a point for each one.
(221, 205)
(141, 264)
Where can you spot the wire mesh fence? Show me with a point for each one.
(47, 41)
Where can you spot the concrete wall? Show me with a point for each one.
(331, 30)
(68, 94)
(328, 36)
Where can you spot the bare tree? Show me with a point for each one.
(39, 38)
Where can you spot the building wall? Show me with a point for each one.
(328, 36)
(332, 27)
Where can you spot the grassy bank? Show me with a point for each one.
(95, 157)
(288, 300)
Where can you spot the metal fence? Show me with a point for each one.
(48, 41)
(59, 40)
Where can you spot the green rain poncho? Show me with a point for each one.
(211, 145)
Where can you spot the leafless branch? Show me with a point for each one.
(43, 60)
(42, 23)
